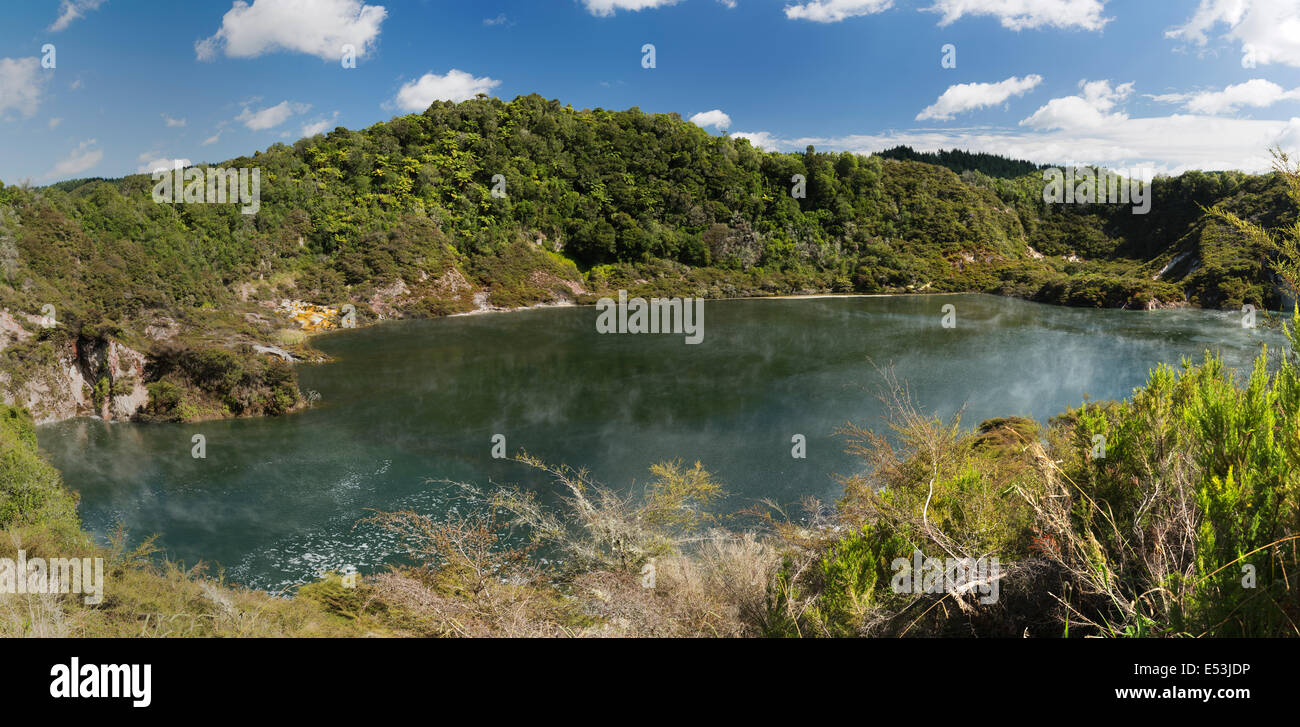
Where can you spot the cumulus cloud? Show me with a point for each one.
(1168, 144)
(1089, 110)
(605, 8)
(150, 163)
(1256, 92)
(454, 86)
(1268, 30)
(833, 11)
(272, 116)
(21, 83)
(70, 10)
(1013, 14)
(969, 96)
(714, 118)
(1290, 136)
(173, 123)
(320, 126)
(1027, 14)
(1089, 128)
(78, 160)
(761, 139)
(320, 28)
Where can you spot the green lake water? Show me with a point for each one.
(404, 405)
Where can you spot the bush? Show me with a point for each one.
(31, 491)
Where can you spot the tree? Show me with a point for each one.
(1285, 242)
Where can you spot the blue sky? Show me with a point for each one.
(1167, 84)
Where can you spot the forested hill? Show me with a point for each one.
(959, 161)
(401, 219)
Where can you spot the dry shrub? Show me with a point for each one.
(468, 581)
(628, 565)
(718, 588)
(409, 604)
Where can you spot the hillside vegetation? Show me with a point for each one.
(1175, 513)
(400, 219)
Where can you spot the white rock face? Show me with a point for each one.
(127, 367)
(11, 330)
(65, 390)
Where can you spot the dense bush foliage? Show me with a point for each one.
(488, 202)
(960, 161)
(187, 384)
(31, 491)
(347, 212)
(1185, 522)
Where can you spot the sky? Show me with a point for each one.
(113, 87)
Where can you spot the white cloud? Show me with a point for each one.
(78, 161)
(728, 4)
(498, 20)
(149, 163)
(1090, 128)
(1168, 144)
(714, 118)
(1290, 136)
(320, 126)
(54, 122)
(173, 123)
(1013, 14)
(1027, 14)
(454, 86)
(969, 96)
(21, 82)
(1268, 29)
(1090, 110)
(212, 139)
(320, 28)
(833, 11)
(1256, 92)
(272, 116)
(605, 8)
(70, 10)
(761, 139)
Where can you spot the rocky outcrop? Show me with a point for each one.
(276, 351)
(100, 378)
(11, 330)
(123, 367)
(383, 302)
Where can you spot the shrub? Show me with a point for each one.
(31, 491)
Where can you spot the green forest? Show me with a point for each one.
(1185, 527)
(401, 220)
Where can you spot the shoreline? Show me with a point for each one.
(795, 296)
(565, 304)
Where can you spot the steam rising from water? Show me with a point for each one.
(276, 500)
